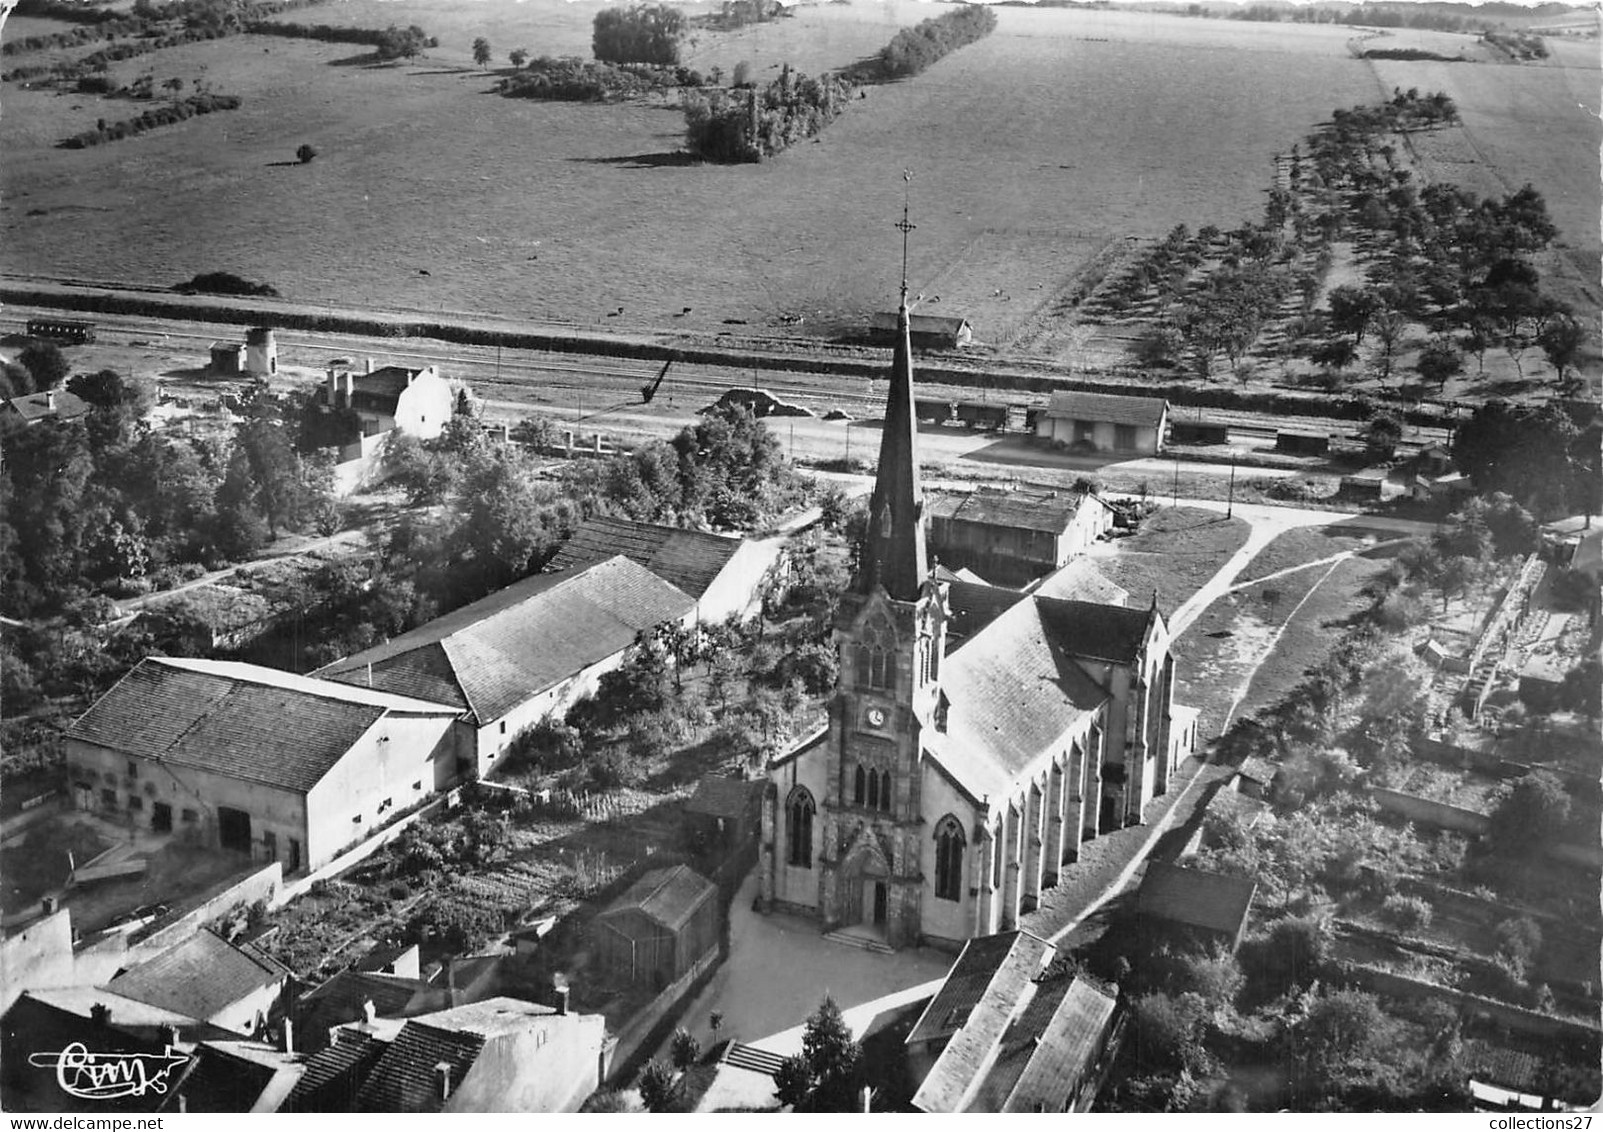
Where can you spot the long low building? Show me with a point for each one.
(523, 653)
(282, 767)
(1105, 422)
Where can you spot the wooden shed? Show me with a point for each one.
(659, 929)
(724, 813)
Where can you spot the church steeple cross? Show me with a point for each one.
(905, 226)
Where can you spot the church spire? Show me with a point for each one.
(893, 554)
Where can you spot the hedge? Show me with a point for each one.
(169, 115)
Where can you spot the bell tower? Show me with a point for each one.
(891, 633)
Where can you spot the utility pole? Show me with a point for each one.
(1230, 506)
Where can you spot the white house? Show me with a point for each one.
(417, 401)
(1105, 422)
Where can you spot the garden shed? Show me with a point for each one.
(724, 813)
(661, 928)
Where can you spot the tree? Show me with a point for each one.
(276, 470)
(1339, 1032)
(1532, 811)
(45, 362)
(1439, 361)
(1351, 308)
(518, 57)
(1561, 340)
(1337, 353)
(305, 153)
(685, 1049)
(1389, 327)
(641, 33)
(658, 1088)
(1169, 1032)
(108, 389)
(481, 51)
(826, 1075)
(1382, 436)
(175, 85)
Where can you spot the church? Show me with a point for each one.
(976, 738)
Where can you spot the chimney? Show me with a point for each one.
(333, 391)
(369, 365)
(183, 1103)
(289, 1036)
(100, 1014)
(50, 399)
(350, 383)
(48, 905)
(442, 1076)
(174, 1036)
(562, 1002)
(369, 1011)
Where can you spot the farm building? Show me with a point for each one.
(47, 405)
(227, 359)
(207, 978)
(1369, 485)
(1105, 422)
(1199, 432)
(723, 573)
(523, 653)
(1256, 776)
(197, 749)
(1013, 1028)
(661, 929)
(1193, 903)
(927, 331)
(724, 813)
(418, 401)
(1013, 537)
(1449, 488)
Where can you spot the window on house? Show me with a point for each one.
(270, 845)
(133, 769)
(190, 817)
(135, 803)
(799, 811)
(949, 844)
(108, 797)
(503, 727)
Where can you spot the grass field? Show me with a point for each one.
(1176, 552)
(1028, 149)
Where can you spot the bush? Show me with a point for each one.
(917, 48)
(685, 1049)
(612, 768)
(548, 746)
(733, 127)
(1407, 913)
(151, 119)
(225, 283)
(642, 33)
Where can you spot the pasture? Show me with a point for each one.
(1029, 151)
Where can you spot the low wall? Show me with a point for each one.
(1439, 815)
(1394, 985)
(263, 885)
(357, 854)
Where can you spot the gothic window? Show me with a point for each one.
(857, 786)
(799, 827)
(998, 845)
(885, 790)
(873, 790)
(949, 844)
(876, 657)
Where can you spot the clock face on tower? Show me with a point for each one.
(875, 717)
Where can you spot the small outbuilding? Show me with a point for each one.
(1210, 907)
(1105, 422)
(724, 813)
(661, 928)
(925, 331)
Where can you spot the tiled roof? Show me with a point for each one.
(1014, 692)
(200, 977)
(1228, 803)
(505, 649)
(1007, 961)
(976, 605)
(1095, 631)
(125, 1011)
(1110, 407)
(229, 718)
(1079, 580)
(235, 1077)
(1062, 1049)
(1195, 898)
(1050, 511)
(335, 1074)
(690, 560)
(37, 406)
(405, 1079)
(667, 896)
(721, 797)
(343, 998)
(1256, 768)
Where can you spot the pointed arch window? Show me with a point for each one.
(799, 811)
(858, 786)
(949, 846)
(876, 657)
(873, 790)
(885, 790)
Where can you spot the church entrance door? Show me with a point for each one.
(879, 904)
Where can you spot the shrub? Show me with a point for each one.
(642, 33)
(611, 768)
(305, 153)
(685, 1049)
(917, 48)
(1407, 913)
(658, 1088)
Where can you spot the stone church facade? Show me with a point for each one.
(955, 782)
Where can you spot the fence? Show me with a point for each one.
(1395, 985)
(1437, 814)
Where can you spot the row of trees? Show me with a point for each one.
(571, 79)
(392, 42)
(918, 48)
(178, 111)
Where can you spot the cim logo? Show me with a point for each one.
(109, 1076)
